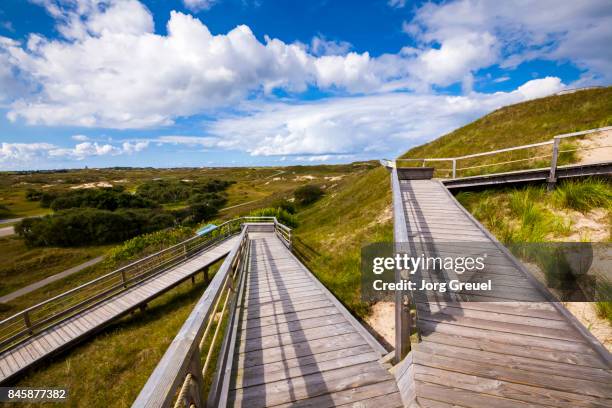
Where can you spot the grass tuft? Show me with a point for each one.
(583, 195)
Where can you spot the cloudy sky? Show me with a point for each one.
(262, 82)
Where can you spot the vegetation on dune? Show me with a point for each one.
(109, 199)
(333, 230)
(529, 122)
(531, 214)
(87, 226)
(308, 194)
(22, 266)
(283, 216)
(171, 191)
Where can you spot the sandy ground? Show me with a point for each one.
(92, 185)
(586, 313)
(589, 227)
(600, 148)
(382, 320)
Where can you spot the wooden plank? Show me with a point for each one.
(295, 325)
(514, 391)
(495, 372)
(289, 317)
(258, 376)
(379, 395)
(502, 326)
(457, 313)
(302, 349)
(503, 337)
(305, 335)
(521, 363)
(308, 386)
(270, 311)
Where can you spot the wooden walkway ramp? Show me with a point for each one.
(83, 324)
(297, 346)
(514, 347)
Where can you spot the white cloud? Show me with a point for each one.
(14, 155)
(538, 88)
(319, 45)
(112, 70)
(80, 138)
(198, 5)
(579, 31)
(366, 126)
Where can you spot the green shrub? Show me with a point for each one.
(281, 215)
(147, 243)
(285, 205)
(172, 191)
(307, 194)
(33, 195)
(76, 227)
(104, 199)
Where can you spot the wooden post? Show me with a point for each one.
(205, 272)
(402, 322)
(123, 279)
(423, 164)
(193, 396)
(26, 320)
(454, 168)
(553, 164)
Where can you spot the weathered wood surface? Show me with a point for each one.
(503, 351)
(297, 346)
(77, 327)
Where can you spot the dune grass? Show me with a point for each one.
(333, 230)
(531, 214)
(524, 123)
(22, 266)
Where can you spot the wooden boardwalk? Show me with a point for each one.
(81, 325)
(514, 347)
(297, 345)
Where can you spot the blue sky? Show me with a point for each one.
(240, 82)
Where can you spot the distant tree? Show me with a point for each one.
(33, 195)
(307, 194)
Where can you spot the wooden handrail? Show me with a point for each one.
(554, 155)
(180, 369)
(24, 324)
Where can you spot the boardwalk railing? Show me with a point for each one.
(194, 358)
(34, 319)
(530, 156)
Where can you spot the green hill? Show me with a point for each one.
(334, 229)
(524, 123)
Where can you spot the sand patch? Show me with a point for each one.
(586, 313)
(306, 177)
(100, 184)
(600, 148)
(382, 320)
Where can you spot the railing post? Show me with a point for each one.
(454, 168)
(423, 164)
(26, 320)
(553, 164)
(123, 279)
(402, 322)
